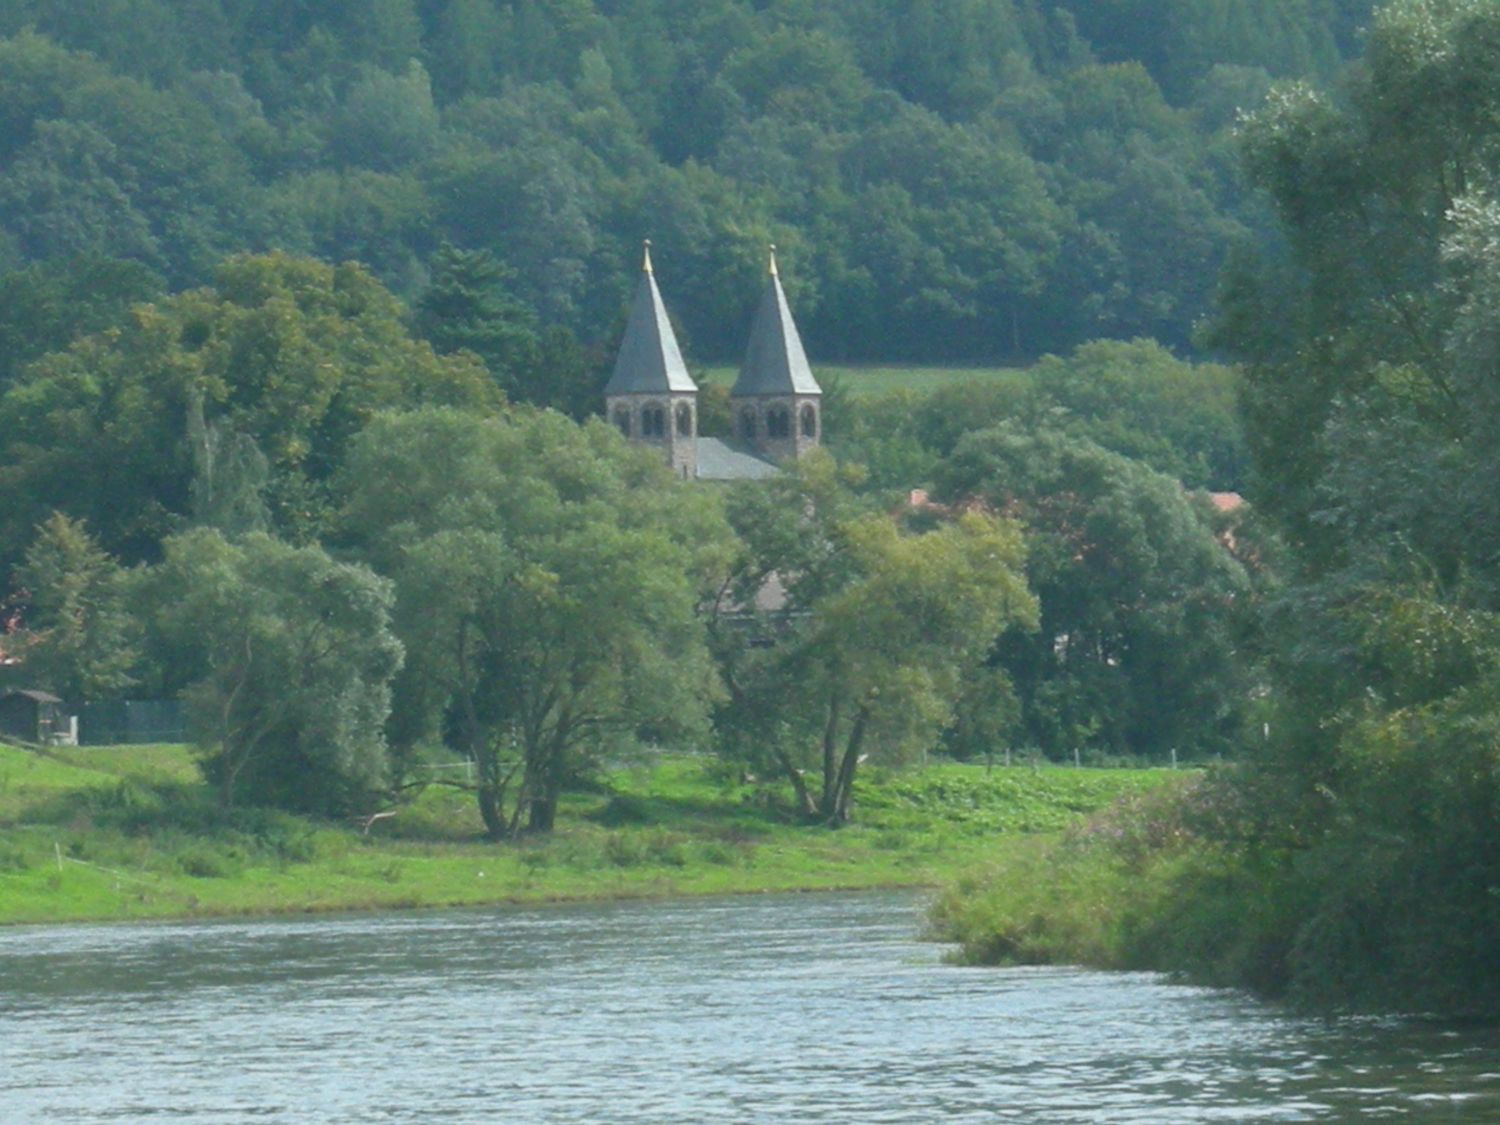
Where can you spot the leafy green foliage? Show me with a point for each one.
(46, 306)
(285, 354)
(546, 579)
(869, 652)
(1137, 650)
(972, 179)
(284, 659)
(1352, 862)
(78, 637)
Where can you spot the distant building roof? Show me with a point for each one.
(32, 694)
(775, 363)
(1226, 501)
(650, 362)
(722, 460)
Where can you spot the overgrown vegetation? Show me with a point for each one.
(1352, 859)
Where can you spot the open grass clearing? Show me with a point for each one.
(131, 832)
(881, 379)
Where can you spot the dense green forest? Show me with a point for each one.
(972, 179)
(305, 308)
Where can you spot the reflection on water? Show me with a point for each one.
(779, 1008)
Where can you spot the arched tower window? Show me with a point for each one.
(622, 420)
(684, 420)
(809, 420)
(747, 424)
(653, 422)
(779, 422)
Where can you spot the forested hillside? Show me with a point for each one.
(959, 180)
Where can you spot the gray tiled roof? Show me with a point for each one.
(650, 361)
(775, 363)
(721, 460)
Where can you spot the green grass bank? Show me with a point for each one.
(99, 834)
(1146, 883)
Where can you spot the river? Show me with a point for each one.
(787, 1008)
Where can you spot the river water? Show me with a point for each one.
(796, 1008)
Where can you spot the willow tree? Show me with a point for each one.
(547, 580)
(284, 659)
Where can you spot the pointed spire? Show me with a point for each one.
(775, 363)
(650, 362)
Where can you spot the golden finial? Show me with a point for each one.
(773, 260)
(646, 264)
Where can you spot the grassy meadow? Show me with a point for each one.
(104, 833)
(878, 380)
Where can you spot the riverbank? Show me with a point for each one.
(98, 834)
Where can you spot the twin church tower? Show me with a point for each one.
(776, 405)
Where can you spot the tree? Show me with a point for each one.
(46, 306)
(1367, 186)
(1137, 399)
(869, 653)
(387, 120)
(1368, 350)
(79, 638)
(284, 659)
(1138, 650)
(288, 353)
(1368, 347)
(103, 165)
(547, 576)
(986, 718)
(470, 305)
(1133, 397)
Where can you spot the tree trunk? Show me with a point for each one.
(799, 784)
(541, 786)
(543, 816)
(838, 798)
(830, 747)
(490, 797)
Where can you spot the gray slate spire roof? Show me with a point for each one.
(650, 361)
(775, 363)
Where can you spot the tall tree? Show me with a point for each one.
(1371, 813)
(547, 576)
(291, 354)
(79, 638)
(470, 304)
(1138, 650)
(869, 651)
(46, 306)
(284, 658)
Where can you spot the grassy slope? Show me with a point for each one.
(107, 833)
(873, 380)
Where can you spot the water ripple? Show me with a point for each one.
(781, 1008)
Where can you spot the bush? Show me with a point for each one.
(204, 862)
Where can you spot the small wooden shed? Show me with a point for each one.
(31, 715)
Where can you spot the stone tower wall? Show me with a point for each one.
(668, 422)
(776, 425)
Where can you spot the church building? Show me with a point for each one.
(776, 404)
